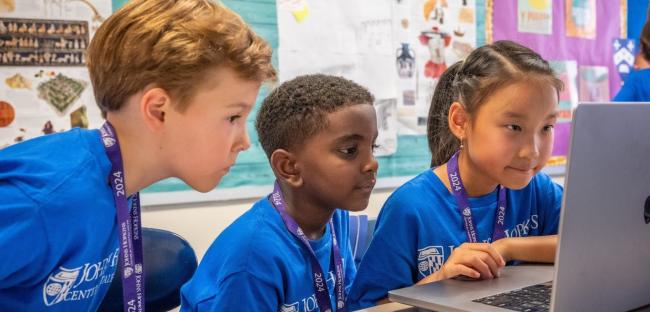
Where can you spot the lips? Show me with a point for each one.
(367, 186)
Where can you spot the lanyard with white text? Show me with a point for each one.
(130, 234)
(319, 279)
(458, 189)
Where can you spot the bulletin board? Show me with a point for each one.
(396, 48)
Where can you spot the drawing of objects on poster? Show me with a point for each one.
(580, 18)
(36, 42)
(594, 83)
(61, 91)
(567, 71)
(430, 35)
(535, 16)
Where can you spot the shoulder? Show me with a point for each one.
(424, 190)
(40, 166)
(541, 188)
(253, 240)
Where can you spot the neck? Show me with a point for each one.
(141, 167)
(475, 182)
(308, 214)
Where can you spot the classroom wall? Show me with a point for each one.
(201, 223)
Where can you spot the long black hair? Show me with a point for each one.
(470, 82)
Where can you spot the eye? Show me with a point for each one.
(548, 128)
(233, 118)
(375, 146)
(348, 151)
(513, 127)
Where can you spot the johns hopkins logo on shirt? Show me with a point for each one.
(430, 259)
(80, 283)
(309, 303)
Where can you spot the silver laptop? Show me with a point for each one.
(603, 258)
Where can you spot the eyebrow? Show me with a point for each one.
(239, 104)
(353, 137)
(520, 116)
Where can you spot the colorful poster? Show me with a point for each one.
(429, 36)
(567, 71)
(580, 18)
(556, 46)
(535, 16)
(45, 83)
(594, 84)
(624, 52)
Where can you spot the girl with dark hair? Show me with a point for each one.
(484, 202)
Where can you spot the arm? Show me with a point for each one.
(243, 292)
(22, 234)
(529, 249)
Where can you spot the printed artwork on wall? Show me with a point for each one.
(535, 16)
(580, 16)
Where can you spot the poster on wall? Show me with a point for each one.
(594, 84)
(580, 18)
(535, 16)
(429, 36)
(45, 84)
(567, 71)
(624, 52)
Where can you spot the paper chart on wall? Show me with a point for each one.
(42, 67)
(535, 16)
(429, 36)
(396, 49)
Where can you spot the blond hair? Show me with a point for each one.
(172, 44)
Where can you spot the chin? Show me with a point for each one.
(517, 184)
(356, 207)
(204, 186)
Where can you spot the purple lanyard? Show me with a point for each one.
(129, 226)
(462, 200)
(319, 279)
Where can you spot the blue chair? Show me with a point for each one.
(361, 231)
(169, 262)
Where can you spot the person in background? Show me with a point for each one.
(636, 87)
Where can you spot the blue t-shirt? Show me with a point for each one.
(636, 87)
(58, 230)
(420, 225)
(256, 264)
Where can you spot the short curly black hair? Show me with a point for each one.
(297, 109)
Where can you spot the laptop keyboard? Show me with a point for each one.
(536, 298)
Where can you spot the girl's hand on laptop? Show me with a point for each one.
(473, 260)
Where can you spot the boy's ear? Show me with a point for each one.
(458, 120)
(153, 105)
(286, 168)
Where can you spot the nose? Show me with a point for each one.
(244, 142)
(530, 149)
(372, 165)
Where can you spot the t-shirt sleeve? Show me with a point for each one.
(550, 207)
(628, 90)
(22, 237)
(242, 291)
(389, 261)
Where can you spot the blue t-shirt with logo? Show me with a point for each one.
(58, 230)
(256, 264)
(420, 225)
(636, 87)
